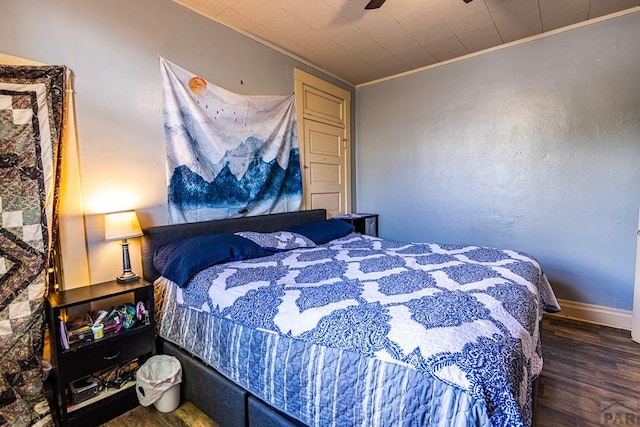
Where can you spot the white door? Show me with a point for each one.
(324, 128)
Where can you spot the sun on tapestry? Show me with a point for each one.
(228, 155)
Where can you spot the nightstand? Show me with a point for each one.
(85, 389)
(364, 223)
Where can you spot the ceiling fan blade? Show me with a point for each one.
(374, 4)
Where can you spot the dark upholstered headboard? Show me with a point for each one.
(154, 237)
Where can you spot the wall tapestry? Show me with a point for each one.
(31, 117)
(228, 155)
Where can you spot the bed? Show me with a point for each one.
(300, 321)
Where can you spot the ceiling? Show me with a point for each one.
(357, 46)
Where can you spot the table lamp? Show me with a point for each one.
(122, 226)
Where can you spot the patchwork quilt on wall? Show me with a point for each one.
(31, 117)
(228, 155)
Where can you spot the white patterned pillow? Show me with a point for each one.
(279, 240)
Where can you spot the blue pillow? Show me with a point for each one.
(323, 231)
(179, 261)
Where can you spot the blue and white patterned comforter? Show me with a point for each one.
(465, 315)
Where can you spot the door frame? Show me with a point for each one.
(635, 318)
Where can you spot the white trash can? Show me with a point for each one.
(158, 382)
(169, 400)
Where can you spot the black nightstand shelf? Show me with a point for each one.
(95, 357)
(364, 223)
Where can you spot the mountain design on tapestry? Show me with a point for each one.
(188, 189)
(228, 155)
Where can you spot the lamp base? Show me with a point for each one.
(128, 278)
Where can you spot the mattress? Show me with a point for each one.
(365, 331)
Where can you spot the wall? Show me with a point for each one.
(534, 147)
(112, 48)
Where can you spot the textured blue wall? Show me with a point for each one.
(534, 147)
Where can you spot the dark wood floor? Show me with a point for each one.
(591, 377)
(187, 415)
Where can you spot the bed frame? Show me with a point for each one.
(225, 402)
(222, 400)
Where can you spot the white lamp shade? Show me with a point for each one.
(121, 225)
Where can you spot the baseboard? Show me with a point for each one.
(600, 315)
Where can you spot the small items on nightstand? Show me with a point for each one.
(122, 226)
